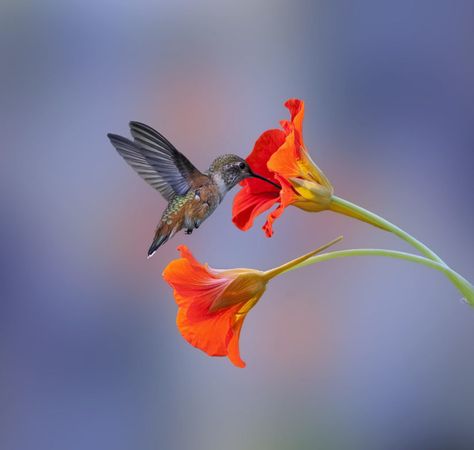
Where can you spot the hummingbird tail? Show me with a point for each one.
(156, 244)
(162, 235)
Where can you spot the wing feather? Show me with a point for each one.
(156, 160)
(133, 156)
(172, 165)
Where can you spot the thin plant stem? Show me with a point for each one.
(466, 289)
(345, 207)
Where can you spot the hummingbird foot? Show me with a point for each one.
(189, 231)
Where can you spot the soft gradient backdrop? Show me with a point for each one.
(350, 354)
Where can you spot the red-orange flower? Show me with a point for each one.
(212, 303)
(280, 155)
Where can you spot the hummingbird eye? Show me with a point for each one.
(242, 165)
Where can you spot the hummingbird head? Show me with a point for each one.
(229, 170)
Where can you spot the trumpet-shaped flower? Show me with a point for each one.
(281, 156)
(213, 303)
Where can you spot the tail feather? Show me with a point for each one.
(158, 241)
(163, 233)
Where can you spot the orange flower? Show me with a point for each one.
(212, 303)
(280, 155)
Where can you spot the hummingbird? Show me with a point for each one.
(192, 195)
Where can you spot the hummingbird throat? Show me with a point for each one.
(221, 184)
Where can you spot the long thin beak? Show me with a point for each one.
(254, 175)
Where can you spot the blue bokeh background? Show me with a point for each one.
(349, 354)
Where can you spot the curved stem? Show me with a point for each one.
(350, 209)
(466, 289)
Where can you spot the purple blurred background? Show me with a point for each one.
(348, 354)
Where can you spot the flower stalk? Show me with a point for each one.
(352, 210)
(463, 285)
(347, 208)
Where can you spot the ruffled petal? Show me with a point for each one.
(257, 196)
(195, 285)
(233, 343)
(210, 333)
(287, 197)
(248, 205)
(268, 225)
(285, 160)
(296, 108)
(267, 144)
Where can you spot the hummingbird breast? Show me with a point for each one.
(203, 203)
(190, 210)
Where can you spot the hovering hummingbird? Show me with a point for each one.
(192, 196)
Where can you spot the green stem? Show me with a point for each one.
(348, 208)
(466, 289)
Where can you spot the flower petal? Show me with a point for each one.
(210, 332)
(192, 281)
(296, 108)
(285, 161)
(257, 196)
(287, 197)
(248, 205)
(267, 144)
(233, 343)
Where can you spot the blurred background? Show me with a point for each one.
(350, 354)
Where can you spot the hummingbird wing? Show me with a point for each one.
(156, 160)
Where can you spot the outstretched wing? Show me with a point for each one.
(156, 160)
